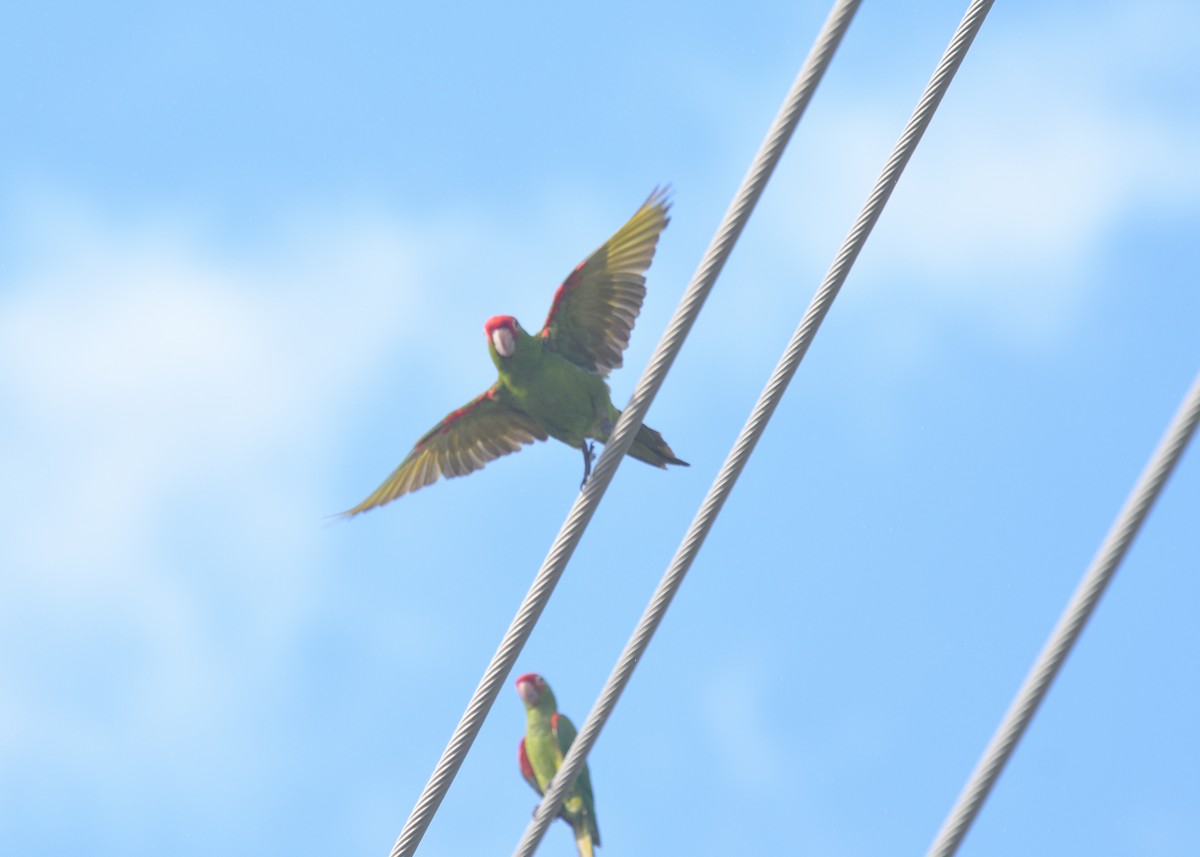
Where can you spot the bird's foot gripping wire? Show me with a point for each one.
(589, 453)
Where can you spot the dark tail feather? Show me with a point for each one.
(650, 447)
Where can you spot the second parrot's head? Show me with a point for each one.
(534, 692)
(502, 331)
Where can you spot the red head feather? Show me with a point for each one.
(498, 321)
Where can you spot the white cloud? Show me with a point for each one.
(1047, 145)
(166, 409)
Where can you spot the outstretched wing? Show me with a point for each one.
(594, 309)
(526, 768)
(484, 429)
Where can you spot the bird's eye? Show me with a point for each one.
(504, 342)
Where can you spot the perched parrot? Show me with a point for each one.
(551, 383)
(548, 736)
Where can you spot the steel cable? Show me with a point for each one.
(1070, 625)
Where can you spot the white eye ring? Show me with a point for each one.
(504, 342)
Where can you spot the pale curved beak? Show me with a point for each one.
(504, 342)
(528, 692)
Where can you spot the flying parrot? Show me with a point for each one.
(548, 736)
(551, 383)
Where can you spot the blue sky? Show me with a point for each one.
(245, 259)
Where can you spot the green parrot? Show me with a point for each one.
(548, 736)
(551, 383)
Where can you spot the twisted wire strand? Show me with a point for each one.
(1070, 625)
(625, 430)
(755, 424)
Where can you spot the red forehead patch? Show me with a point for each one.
(498, 321)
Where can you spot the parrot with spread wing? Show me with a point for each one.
(548, 736)
(551, 383)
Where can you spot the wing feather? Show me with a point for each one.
(482, 430)
(526, 768)
(563, 730)
(564, 735)
(595, 307)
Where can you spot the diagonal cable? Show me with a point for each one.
(757, 422)
(625, 431)
(1070, 625)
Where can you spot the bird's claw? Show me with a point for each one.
(589, 451)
